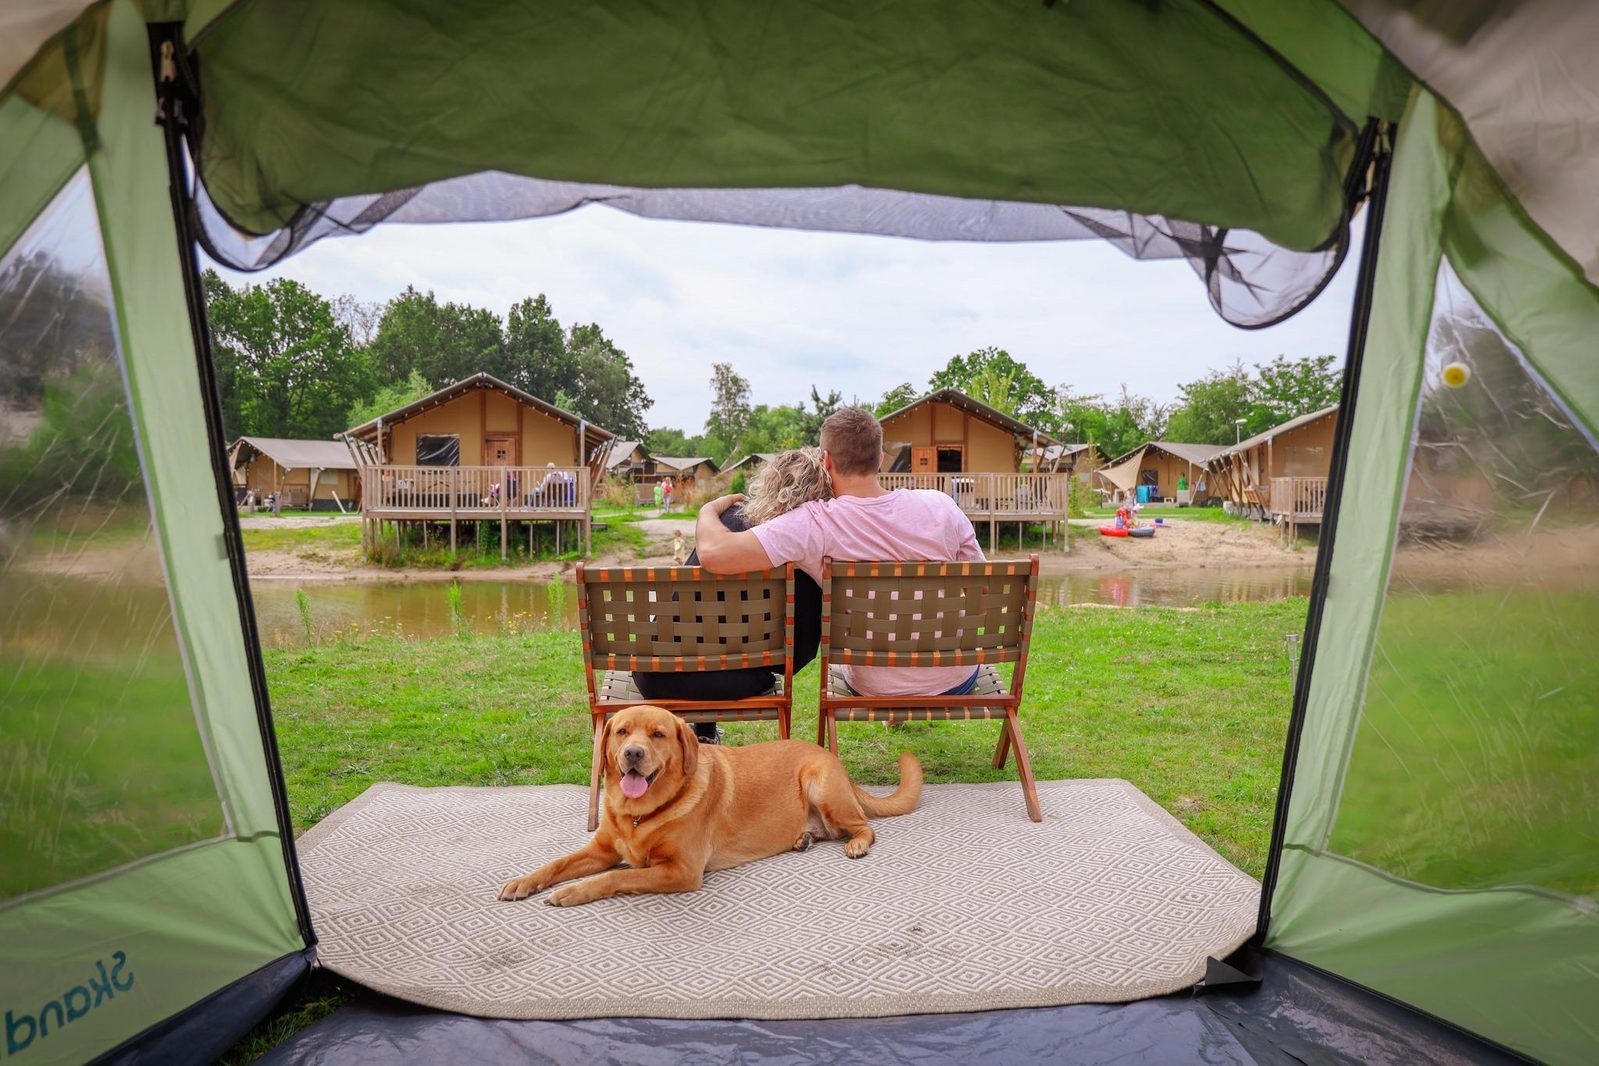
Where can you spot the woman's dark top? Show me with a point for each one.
(741, 684)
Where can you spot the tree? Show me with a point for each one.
(1082, 417)
(899, 396)
(390, 398)
(285, 364)
(535, 349)
(730, 406)
(82, 445)
(1131, 421)
(443, 342)
(50, 324)
(1289, 388)
(663, 440)
(582, 364)
(601, 385)
(776, 429)
(992, 371)
(822, 408)
(1208, 409)
(361, 319)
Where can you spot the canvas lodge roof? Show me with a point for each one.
(593, 435)
(1278, 430)
(293, 454)
(621, 453)
(752, 457)
(684, 464)
(977, 409)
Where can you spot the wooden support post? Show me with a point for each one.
(557, 536)
(993, 533)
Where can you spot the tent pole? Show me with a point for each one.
(1375, 147)
(176, 102)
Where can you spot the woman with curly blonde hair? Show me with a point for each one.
(788, 480)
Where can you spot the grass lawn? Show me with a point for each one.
(1190, 705)
(1474, 763)
(337, 537)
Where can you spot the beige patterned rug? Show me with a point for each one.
(963, 905)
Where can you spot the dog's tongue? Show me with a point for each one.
(634, 784)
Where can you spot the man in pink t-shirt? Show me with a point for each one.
(864, 521)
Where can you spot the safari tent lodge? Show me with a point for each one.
(1280, 475)
(689, 474)
(1161, 471)
(1079, 460)
(629, 461)
(479, 450)
(319, 475)
(961, 446)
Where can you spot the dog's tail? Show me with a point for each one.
(903, 799)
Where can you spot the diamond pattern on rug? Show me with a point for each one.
(963, 905)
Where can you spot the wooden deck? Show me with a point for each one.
(454, 494)
(1296, 501)
(998, 497)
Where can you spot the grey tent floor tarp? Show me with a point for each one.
(1297, 1015)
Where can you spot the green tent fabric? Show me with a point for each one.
(1434, 838)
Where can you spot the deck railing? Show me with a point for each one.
(474, 491)
(1001, 495)
(1298, 498)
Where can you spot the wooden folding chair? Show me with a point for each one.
(683, 619)
(930, 614)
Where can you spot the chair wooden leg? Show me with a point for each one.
(1002, 751)
(1024, 767)
(783, 723)
(832, 734)
(821, 727)
(594, 780)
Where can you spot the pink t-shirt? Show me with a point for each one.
(904, 524)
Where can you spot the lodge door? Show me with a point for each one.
(499, 451)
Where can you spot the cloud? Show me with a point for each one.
(855, 313)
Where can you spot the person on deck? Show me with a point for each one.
(791, 478)
(863, 521)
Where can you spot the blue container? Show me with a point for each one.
(1143, 493)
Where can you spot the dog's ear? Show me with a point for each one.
(690, 743)
(602, 745)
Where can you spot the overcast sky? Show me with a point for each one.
(791, 308)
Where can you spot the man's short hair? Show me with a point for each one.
(853, 437)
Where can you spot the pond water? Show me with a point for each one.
(431, 608)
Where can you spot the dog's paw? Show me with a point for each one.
(804, 842)
(521, 888)
(856, 849)
(570, 896)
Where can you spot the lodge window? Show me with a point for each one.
(438, 449)
(951, 460)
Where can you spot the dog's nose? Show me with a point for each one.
(633, 754)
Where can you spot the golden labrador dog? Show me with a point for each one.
(674, 809)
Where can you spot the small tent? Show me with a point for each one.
(1435, 836)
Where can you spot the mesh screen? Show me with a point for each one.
(1476, 761)
(1251, 282)
(100, 759)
